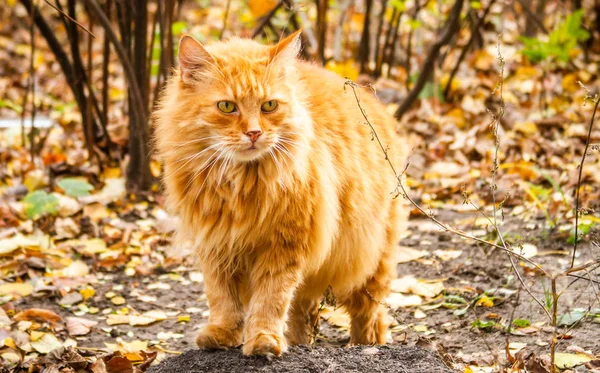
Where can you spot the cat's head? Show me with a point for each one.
(240, 94)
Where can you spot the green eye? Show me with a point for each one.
(226, 106)
(269, 106)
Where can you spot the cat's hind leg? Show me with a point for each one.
(369, 318)
(226, 319)
(303, 320)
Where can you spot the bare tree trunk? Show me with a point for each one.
(363, 48)
(321, 28)
(138, 169)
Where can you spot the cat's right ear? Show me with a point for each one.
(193, 57)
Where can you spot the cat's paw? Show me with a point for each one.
(215, 337)
(265, 344)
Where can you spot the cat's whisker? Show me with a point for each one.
(198, 172)
(277, 166)
(285, 152)
(213, 163)
(195, 141)
(190, 159)
(224, 164)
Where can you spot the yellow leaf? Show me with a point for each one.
(35, 335)
(485, 301)
(336, 317)
(344, 69)
(87, 293)
(183, 318)
(112, 172)
(91, 246)
(569, 83)
(118, 300)
(16, 289)
(565, 361)
(8, 342)
(47, 343)
(9, 245)
(259, 8)
(527, 127)
(117, 319)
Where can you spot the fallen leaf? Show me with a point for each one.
(76, 269)
(564, 360)
(79, 326)
(407, 254)
(446, 255)
(396, 300)
(38, 314)
(20, 289)
(336, 317)
(47, 343)
(409, 284)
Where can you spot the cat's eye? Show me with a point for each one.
(269, 106)
(227, 107)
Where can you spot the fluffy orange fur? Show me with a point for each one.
(277, 221)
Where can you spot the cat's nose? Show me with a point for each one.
(254, 135)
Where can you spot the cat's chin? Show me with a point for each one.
(250, 155)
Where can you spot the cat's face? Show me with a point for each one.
(241, 96)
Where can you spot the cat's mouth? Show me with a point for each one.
(250, 153)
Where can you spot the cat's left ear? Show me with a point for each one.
(287, 49)
(193, 57)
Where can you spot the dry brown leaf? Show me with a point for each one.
(79, 325)
(38, 314)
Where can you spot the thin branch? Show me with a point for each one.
(428, 66)
(533, 16)
(265, 19)
(467, 47)
(446, 227)
(123, 57)
(32, 81)
(405, 194)
(225, 18)
(70, 18)
(578, 188)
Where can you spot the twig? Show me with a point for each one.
(409, 42)
(404, 193)
(533, 17)
(378, 47)
(225, 18)
(32, 82)
(265, 19)
(105, 61)
(123, 57)
(467, 47)
(428, 65)
(392, 47)
(70, 19)
(577, 189)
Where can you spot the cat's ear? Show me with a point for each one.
(287, 49)
(193, 57)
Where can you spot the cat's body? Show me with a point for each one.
(276, 221)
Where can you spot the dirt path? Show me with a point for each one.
(393, 358)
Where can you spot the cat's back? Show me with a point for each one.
(338, 120)
(331, 102)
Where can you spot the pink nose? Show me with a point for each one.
(253, 135)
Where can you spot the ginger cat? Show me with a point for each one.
(271, 168)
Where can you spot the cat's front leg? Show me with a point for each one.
(273, 285)
(226, 319)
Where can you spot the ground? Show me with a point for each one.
(453, 274)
